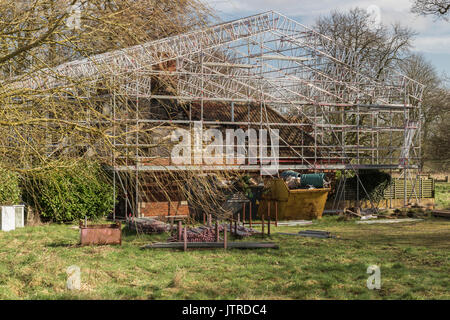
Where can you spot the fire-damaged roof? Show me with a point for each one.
(246, 115)
(293, 131)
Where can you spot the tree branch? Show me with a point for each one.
(38, 41)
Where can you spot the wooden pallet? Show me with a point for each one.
(441, 213)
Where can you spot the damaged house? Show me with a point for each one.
(260, 72)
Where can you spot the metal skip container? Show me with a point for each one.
(293, 204)
(100, 234)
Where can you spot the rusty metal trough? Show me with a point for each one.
(100, 234)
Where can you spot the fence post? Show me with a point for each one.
(225, 237)
(217, 231)
(262, 224)
(250, 213)
(276, 213)
(185, 238)
(420, 190)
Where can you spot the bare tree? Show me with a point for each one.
(418, 68)
(438, 8)
(435, 107)
(35, 33)
(439, 140)
(49, 119)
(378, 46)
(35, 36)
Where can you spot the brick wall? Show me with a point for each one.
(162, 208)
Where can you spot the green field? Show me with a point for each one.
(442, 194)
(413, 257)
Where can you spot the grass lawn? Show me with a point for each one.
(413, 257)
(442, 194)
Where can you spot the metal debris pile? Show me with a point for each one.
(295, 180)
(147, 225)
(199, 234)
(316, 234)
(311, 234)
(241, 231)
(208, 234)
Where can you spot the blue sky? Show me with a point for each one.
(432, 40)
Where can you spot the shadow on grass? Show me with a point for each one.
(437, 240)
(64, 245)
(421, 235)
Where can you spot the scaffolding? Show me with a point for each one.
(284, 74)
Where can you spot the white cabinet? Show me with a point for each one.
(8, 218)
(11, 217)
(19, 215)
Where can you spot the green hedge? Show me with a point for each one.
(70, 193)
(374, 181)
(10, 192)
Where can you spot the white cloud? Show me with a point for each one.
(433, 44)
(433, 36)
